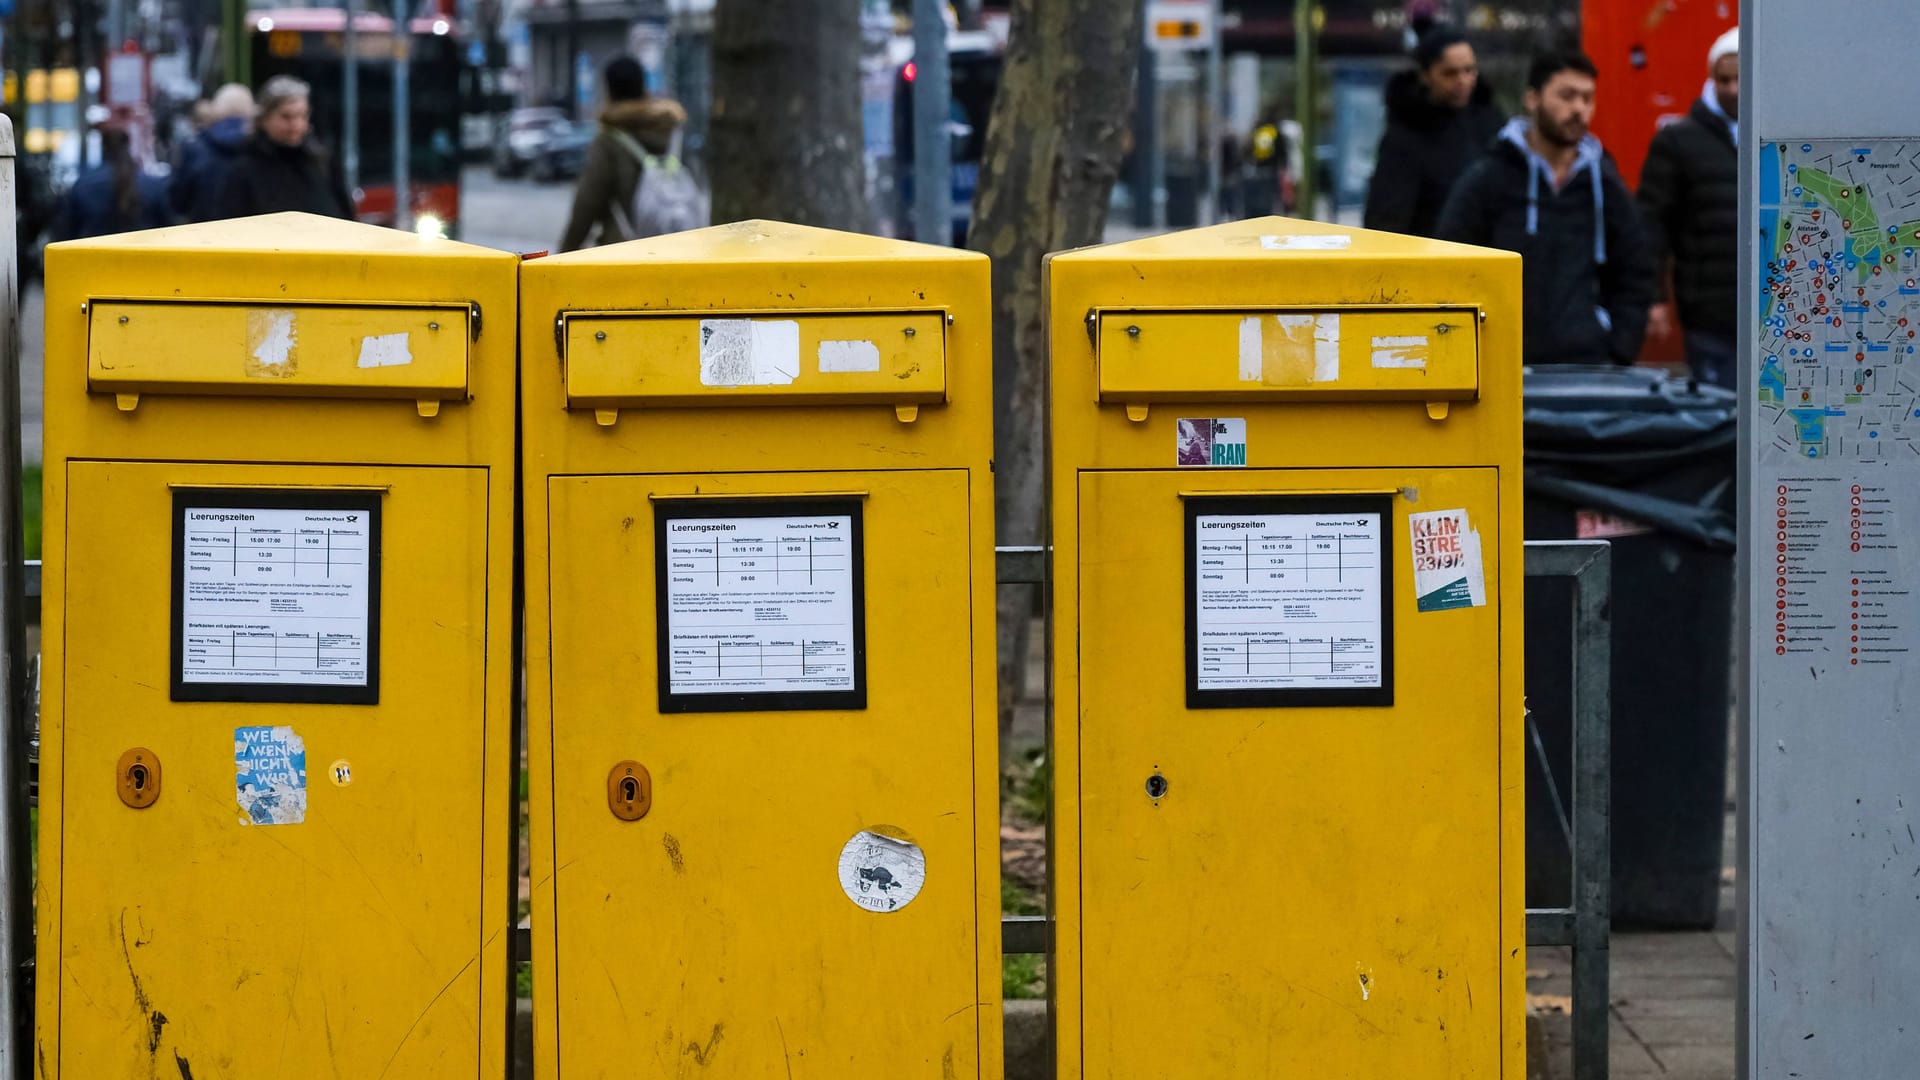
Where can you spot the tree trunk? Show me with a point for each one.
(785, 139)
(1053, 150)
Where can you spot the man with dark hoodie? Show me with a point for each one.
(631, 122)
(200, 178)
(1690, 192)
(1440, 117)
(1548, 191)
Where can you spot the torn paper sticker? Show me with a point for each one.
(270, 781)
(1306, 243)
(271, 339)
(385, 350)
(1211, 441)
(1448, 572)
(749, 352)
(848, 356)
(1297, 350)
(882, 872)
(1402, 351)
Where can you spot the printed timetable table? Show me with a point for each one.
(760, 605)
(1285, 601)
(271, 595)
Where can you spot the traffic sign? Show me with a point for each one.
(1180, 25)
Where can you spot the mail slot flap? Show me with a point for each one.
(765, 359)
(313, 350)
(1427, 354)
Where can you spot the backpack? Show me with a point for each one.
(668, 199)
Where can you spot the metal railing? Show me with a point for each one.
(1584, 926)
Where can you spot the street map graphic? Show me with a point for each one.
(1840, 300)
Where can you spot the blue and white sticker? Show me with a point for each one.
(882, 872)
(270, 775)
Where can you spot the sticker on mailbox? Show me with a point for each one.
(1212, 441)
(270, 775)
(880, 872)
(1447, 569)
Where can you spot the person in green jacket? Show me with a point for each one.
(612, 172)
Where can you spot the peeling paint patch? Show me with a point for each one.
(386, 350)
(1402, 351)
(1251, 353)
(272, 338)
(1305, 351)
(837, 357)
(749, 352)
(1365, 974)
(270, 775)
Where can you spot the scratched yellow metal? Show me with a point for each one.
(370, 939)
(1322, 890)
(712, 935)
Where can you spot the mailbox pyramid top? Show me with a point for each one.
(284, 234)
(1267, 236)
(757, 241)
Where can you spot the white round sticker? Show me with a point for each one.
(880, 872)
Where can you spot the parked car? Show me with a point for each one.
(521, 138)
(564, 153)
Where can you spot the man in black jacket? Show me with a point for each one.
(1690, 195)
(1548, 191)
(1440, 116)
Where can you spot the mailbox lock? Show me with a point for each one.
(629, 791)
(1156, 786)
(138, 778)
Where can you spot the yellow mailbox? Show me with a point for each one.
(275, 787)
(1287, 735)
(759, 525)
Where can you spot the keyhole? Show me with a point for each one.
(139, 776)
(1156, 786)
(630, 789)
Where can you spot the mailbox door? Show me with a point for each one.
(741, 924)
(333, 933)
(1316, 891)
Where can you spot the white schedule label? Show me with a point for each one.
(760, 605)
(275, 596)
(1288, 601)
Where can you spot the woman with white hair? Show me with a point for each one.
(200, 177)
(280, 168)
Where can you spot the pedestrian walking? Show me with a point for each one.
(1548, 190)
(1690, 198)
(280, 167)
(634, 127)
(114, 196)
(207, 159)
(1440, 117)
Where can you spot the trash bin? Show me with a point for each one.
(1645, 461)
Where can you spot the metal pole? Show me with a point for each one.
(116, 25)
(1216, 127)
(16, 871)
(1157, 160)
(932, 143)
(350, 101)
(572, 63)
(1305, 104)
(402, 133)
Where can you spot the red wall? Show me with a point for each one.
(1652, 56)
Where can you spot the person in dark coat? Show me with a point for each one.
(200, 178)
(634, 122)
(281, 168)
(114, 196)
(1549, 191)
(1440, 117)
(1690, 196)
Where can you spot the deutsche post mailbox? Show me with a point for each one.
(760, 614)
(1287, 735)
(275, 788)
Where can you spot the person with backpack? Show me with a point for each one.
(631, 185)
(114, 196)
